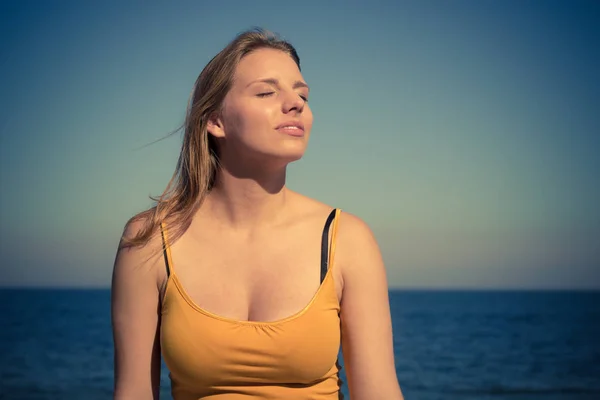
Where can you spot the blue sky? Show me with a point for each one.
(466, 133)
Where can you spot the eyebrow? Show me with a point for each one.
(275, 82)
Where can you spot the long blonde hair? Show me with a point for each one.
(198, 160)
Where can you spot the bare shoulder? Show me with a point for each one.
(354, 228)
(356, 243)
(358, 256)
(307, 208)
(140, 261)
(354, 236)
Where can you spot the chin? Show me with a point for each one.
(289, 157)
(295, 157)
(284, 157)
(293, 151)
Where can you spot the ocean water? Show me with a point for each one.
(57, 344)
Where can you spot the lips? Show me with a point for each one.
(293, 128)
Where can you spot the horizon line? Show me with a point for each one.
(390, 288)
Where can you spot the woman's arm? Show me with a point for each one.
(135, 320)
(367, 342)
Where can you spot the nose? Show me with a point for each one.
(293, 102)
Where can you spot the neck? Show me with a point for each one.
(247, 200)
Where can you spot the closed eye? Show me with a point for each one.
(265, 94)
(305, 98)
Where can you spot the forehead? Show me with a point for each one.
(266, 63)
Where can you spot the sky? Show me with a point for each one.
(465, 133)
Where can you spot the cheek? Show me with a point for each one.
(233, 120)
(248, 119)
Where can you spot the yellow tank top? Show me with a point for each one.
(218, 358)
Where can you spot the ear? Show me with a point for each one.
(214, 125)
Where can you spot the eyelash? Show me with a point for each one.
(270, 93)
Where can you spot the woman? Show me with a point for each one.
(247, 288)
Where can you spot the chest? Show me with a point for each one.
(256, 279)
(205, 351)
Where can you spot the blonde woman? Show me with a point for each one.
(245, 287)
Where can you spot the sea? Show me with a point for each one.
(500, 345)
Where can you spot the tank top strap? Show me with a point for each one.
(333, 237)
(166, 248)
(327, 244)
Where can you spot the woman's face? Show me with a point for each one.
(265, 112)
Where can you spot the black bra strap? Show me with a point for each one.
(325, 245)
(164, 243)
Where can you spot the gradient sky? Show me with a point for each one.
(465, 133)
